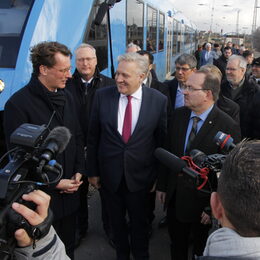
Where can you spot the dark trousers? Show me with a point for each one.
(135, 204)
(181, 234)
(105, 216)
(151, 206)
(66, 229)
(82, 219)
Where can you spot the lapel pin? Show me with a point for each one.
(210, 122)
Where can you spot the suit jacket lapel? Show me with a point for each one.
(114, 110)
(184, 122)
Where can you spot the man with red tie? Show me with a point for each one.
(127, 124)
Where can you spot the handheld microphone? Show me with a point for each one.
(173, 162)
(224, 141)
(55, 142)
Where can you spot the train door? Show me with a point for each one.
(169, 46)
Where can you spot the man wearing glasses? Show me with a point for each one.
(192, 127)
(85, 81)
(185, 65)
(42, 99)
(239, 88)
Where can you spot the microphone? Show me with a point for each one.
(173, 162)
(101, 13)
(55, 142)
(224, 141)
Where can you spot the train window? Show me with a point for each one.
(151, 29)
(135, 22)
(13, 19)
(97, 36)
(175, 37)
(161, 31)
(179, 38)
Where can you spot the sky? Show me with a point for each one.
(224, 17)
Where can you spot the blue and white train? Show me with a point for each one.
(152, 24)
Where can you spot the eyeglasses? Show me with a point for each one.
(231, 69)
(191, 89)
(88, 59)
(182, 68)
(64, 71)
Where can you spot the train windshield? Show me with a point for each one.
(13, 18)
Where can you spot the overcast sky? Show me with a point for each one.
(224, 17)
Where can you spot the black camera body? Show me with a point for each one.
(32, 162)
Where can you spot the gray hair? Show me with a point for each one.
(132, 45)
(141, 61)
(85, 45)
(242, 61)
(208, 45)
(186, 59)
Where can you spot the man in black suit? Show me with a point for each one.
(192, 127)
(84, 82)
(185, 65)
(128, 122)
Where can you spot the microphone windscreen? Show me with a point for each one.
(61, 136)
(170, 160)
(101, 13)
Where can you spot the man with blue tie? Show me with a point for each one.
(127, 124)
(185, 65)
(192, 127)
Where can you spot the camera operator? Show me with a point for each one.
(48, 247)
(192, 127)
(236, 206)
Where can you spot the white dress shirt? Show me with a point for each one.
(136, 105)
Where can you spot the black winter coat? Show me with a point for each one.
(244, 100)
(32, 105)
(83, 98)
(254, 118)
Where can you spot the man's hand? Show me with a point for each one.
(161, 196)
(42, 200)
(70, 185)
(205, 218)
(95, 182)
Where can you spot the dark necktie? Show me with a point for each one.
(126, 133)
(86, 85)
(193, 133)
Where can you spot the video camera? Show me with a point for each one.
(198, 165)
(32, 164)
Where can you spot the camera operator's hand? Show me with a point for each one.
(161, 196)
(70, 185)
(42, 200)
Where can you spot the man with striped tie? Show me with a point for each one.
(192, 127)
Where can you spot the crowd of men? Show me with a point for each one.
(116, 125)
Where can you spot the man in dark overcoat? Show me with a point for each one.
(43, 98)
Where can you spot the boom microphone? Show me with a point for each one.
(224, 141)
(173, 162)
(55, 142)
(101, 13)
